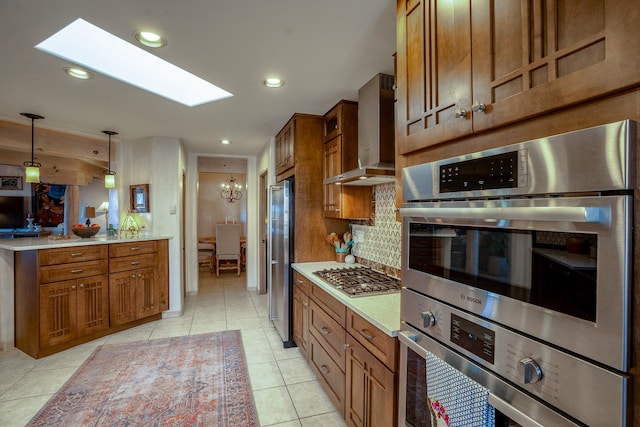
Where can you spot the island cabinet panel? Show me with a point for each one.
(70, 295)
(465, 67)
(72, 309)
(136, 281)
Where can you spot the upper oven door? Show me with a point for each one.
(555, 268)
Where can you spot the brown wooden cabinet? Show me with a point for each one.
(135, 281)
(73, 308)
(61, 297)
(370, 389)
(285, 146)
(301, 308)
(355, 362)
(341, 155)
(310, 226)
(66, 296)
(486, 65)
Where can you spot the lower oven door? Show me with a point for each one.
(512, 407)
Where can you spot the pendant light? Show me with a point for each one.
(109, 175)
(32, 168)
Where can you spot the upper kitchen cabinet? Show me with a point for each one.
(465, 67)
(341, 155)
(285, 159)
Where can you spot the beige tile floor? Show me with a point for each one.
(286, 391)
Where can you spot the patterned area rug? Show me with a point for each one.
(198, 380)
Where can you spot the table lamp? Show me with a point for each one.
(89, 212)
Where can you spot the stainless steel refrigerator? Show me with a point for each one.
(280, 285)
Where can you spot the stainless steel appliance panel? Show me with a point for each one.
(517, 407)
(279, 285)
(566, 382)
(594, 159)
(604, 337)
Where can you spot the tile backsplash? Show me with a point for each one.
(382, 238)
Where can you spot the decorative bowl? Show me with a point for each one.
(86, 232)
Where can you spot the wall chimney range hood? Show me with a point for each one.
(376, 135)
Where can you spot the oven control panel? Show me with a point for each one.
(473, 337)
(484, 173)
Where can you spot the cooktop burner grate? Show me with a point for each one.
(359, 281)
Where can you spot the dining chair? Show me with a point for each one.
(228, 247)
(205, 254)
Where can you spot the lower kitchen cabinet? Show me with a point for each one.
(355, 362)
(70, 295)
(72, 309)
(301, 313)
(370, 389)
(133, 295)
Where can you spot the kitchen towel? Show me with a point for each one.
(456, 400)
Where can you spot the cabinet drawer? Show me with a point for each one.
(128, 249)
(330, 376)
(71, 254)
(132, 262)
(381, 345)
(328, 333)
(302, 282)
(73, 270)
(332, 306)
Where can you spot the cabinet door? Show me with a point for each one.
(58, 307)
(370, 389)
(301, 320)
(122, 297)
(533, 57)
(332, 154)
(93, 304)
(433, 72)
(285, 149)
(147, 288)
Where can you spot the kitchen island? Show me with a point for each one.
(58, 293)
(350, 343)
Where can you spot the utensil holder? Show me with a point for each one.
(341, 253)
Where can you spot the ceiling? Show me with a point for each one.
(323, 50)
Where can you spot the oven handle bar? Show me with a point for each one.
(511, 412)
(529, 213)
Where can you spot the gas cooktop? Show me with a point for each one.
(359, 281)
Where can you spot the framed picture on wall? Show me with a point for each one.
(10, 183)
(139, 198)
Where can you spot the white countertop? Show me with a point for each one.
(31, 243)
(382, 311)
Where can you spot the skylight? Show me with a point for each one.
(85, 44)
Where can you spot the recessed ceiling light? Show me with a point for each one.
(150, 39)
(78, 73)
(225, 142)
(83, 43)
(273, 82)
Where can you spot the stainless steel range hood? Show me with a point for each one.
(376, 136)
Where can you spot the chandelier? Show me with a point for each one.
(231, 190)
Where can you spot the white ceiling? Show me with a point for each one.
(324, 50)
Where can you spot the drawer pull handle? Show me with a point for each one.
(76, 254)
(78, 270)
(324, 331)
(135, 262)
(306, 303)
(73, 286)
(324, 369)
(300, 281)
(366, 334)
(135, 248)
(346, 345)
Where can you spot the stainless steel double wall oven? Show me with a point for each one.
(517, 267)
